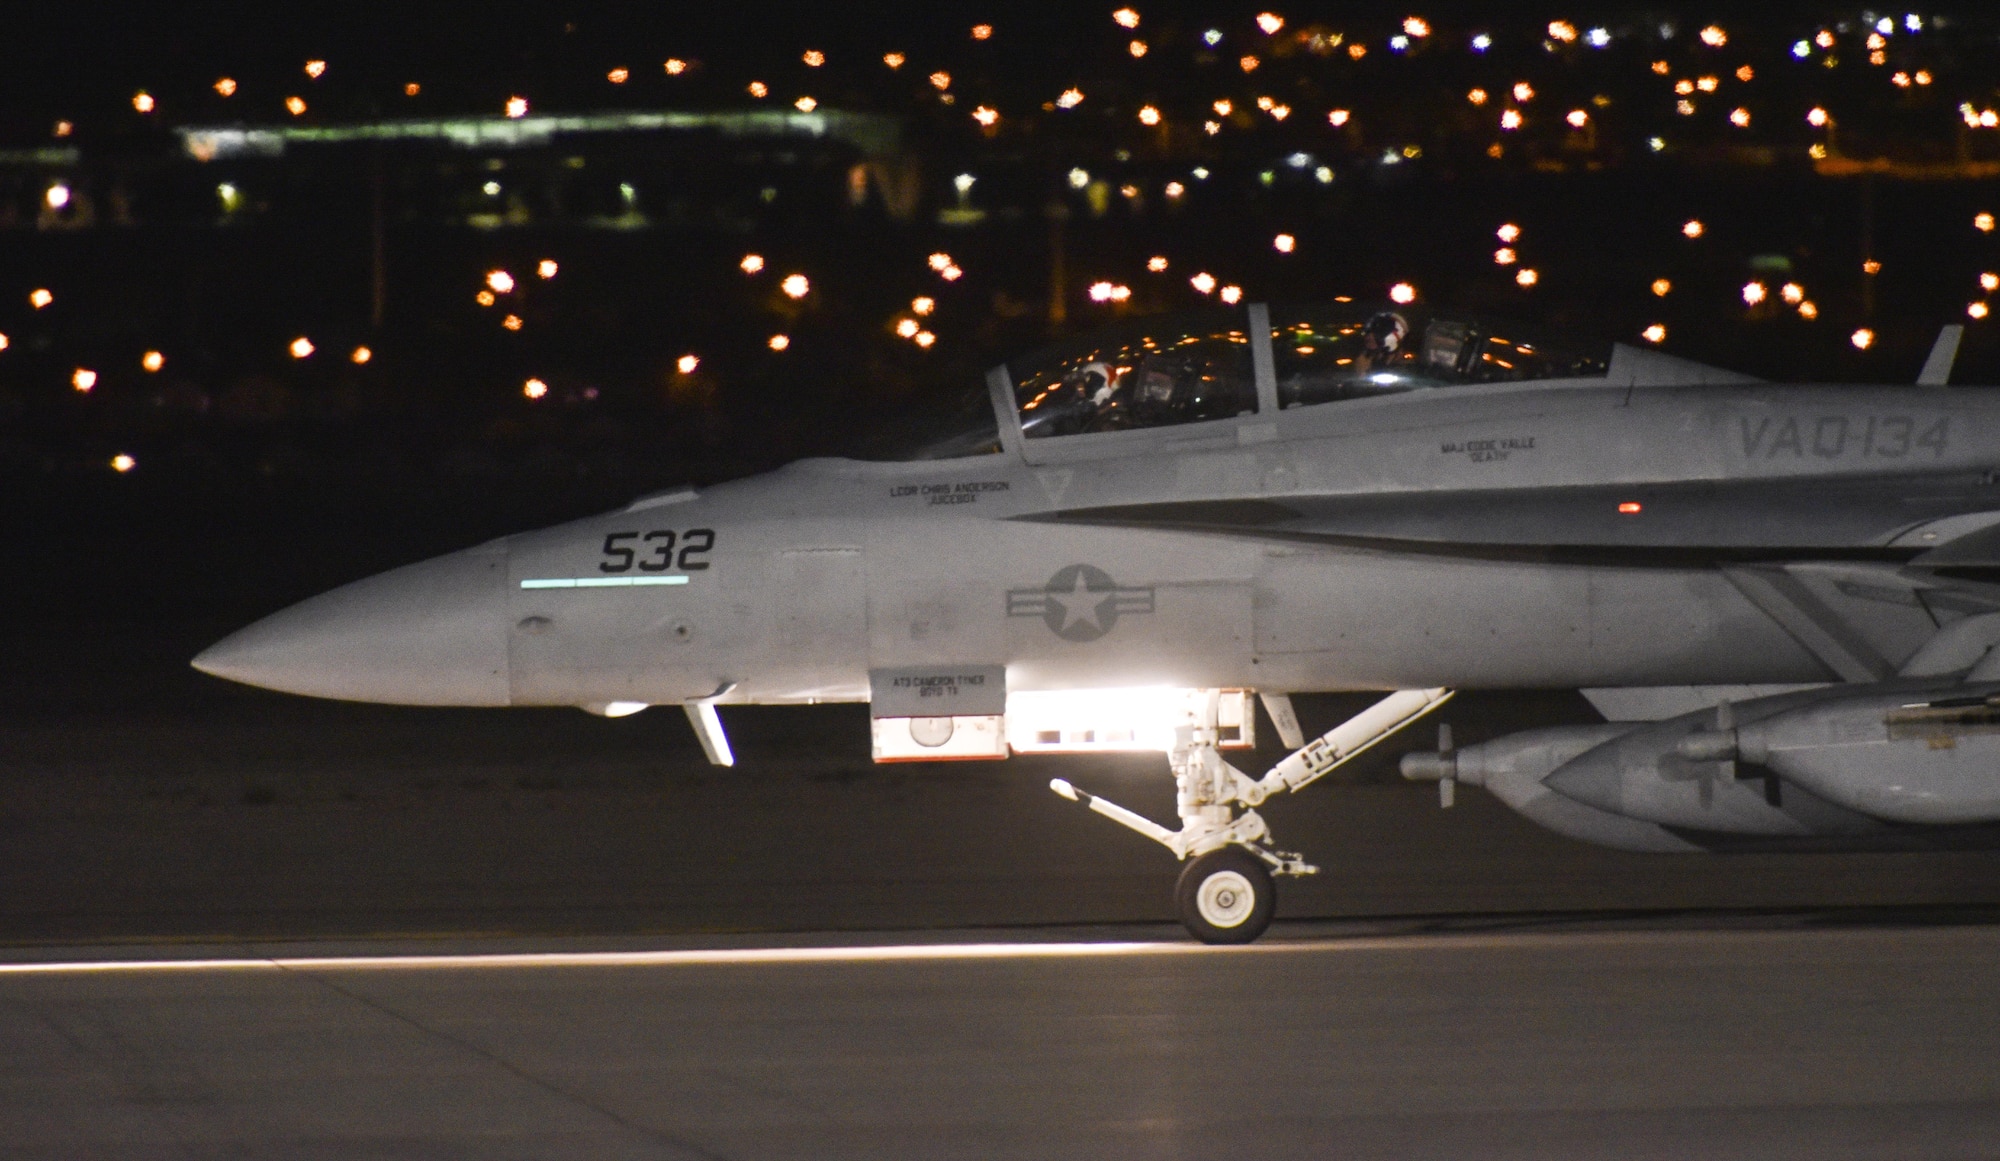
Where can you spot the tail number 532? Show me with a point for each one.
(654, 551)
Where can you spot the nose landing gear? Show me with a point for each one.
(1226, 894)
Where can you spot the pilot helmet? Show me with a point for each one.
(1385, 331)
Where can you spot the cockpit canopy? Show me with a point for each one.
(1185, 368)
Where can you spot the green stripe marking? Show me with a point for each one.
(602, 582)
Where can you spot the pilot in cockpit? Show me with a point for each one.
(1381, 339)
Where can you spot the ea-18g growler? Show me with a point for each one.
(1782, 597)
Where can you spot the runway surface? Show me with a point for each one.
(1633, 1044)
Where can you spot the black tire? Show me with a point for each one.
(1209, 897)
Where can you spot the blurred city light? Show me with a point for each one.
(1403, 293)
(534, 389)
(1527, 277)
(142, 101)
(1148, 115)
(923, 304)
(315, 68)
(675, 66)
(360, 355)
(752, 263)
(1693, 228)
(1203, 282)
(517, 107)
(687, 363)
(1504, 256)
(805, 104)
(152, 360)
(296, 106)
(512, 322)
(546, 269)
(795, 286)
(301, 347)
(1126, 18)
(1284, 243)
(778, 342)
(57, 196)
(924, 339)
(500, 281)
(83, 379)
(814, 58)
(226, 86)
(1655, 333)
(1270, 22)
(1231, 294)
(1662, 287)
(122, 463)
(40, 297)
(1862, 339)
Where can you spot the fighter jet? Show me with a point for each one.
(1783, 598)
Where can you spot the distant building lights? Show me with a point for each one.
(1808, 309)
(759, 90)
(1527, 277)
(751, 264)
(1684, 107)
(1157, 263)
(1662, 287)
(83, 379)
(1476, 96)
(1338, 117)
(500, 282)
(1279, 112)
(1481, 42)
(1174, 190)
(5, 342)
(122, 463)
(512, 322)
(1692, 228)
(982, 32)
(1577, 118)
(296, 106)
(1753, 293)
(534, 389)
(1203, 282)
(618, 76)
(687, 363)
(1402, 293)
(301, 347)
(57, 196)
(1886, 26)
(1212, 37)
(1078, 178)
(1989, 282)
(778, 342)
(1510, 120)
(1740, 117)
(940, 80)
(315, 69)
(1792, 293)
(924, 339)
(1983, 222)
(1070, 99)
(64, 128)
(1100, 292)
(1507, 232)
(1714, 37)
(814, 58)
(795, 286)
(1125, 18)
(40, 297)
(1399, 43)
(940, 260)
(517, 107)
(1745, 74)
(1416, 27)
(1248, 62)
(360, 355)
(986, 115)
(1137, 48)
(1270, 23)
(1862, 339)
(907, 328)
(1976, 310)
(546, 269)
(894, 60)
(1323, 175)
(143, 101)
(1817, 117)
(1200, 172)
(1504, 256)
(1923, 76)
(1148, 115)
(1684, 87)
(1871, 267)
(1824, 39)
(1913, 22)
(1284, 243)
(1655, 333)
(225, 86)
(674, 66)
(152, 361)
(1562, 30)
(1231, 294)
(1656, 144)
(923, 304)
(1598, 37)
(951, 274)
(412, 89)
(805, 104)
(1523, 92)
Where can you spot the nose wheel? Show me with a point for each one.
(1226, 896)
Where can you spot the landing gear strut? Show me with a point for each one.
(1226, 893)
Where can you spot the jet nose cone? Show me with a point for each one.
(428, 634)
